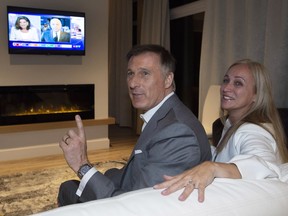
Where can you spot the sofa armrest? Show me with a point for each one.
(223, 197)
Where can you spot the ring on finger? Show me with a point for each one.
(66, 139)
(189, 182)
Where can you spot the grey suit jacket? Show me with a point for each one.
(172, 141)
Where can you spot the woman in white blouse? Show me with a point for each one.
(23, 31)
(252, 145)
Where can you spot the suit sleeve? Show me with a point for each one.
(101, 186)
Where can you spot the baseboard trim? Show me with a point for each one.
(46, 150)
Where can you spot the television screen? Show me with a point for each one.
(44, 31)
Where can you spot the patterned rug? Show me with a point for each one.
(27, 193)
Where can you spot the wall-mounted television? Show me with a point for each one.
(45, 31)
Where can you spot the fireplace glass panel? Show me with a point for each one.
(45, 103)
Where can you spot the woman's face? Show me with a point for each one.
(237, 92)
(23, 23)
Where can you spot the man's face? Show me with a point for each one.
(55, 25)
(146, 82)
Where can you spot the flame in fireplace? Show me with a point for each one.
(45, 103)
(44, 110)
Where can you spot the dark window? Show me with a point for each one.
(177, 3)
(186, 40)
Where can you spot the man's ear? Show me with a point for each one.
(169, 80)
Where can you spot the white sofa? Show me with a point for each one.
(224, 197)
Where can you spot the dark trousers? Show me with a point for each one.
(67, 193)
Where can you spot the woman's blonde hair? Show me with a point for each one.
(263, 110)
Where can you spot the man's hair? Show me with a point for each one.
(55, 18)
(166, 59)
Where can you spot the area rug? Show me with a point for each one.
(27, 193)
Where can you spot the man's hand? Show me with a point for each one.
(74, 146)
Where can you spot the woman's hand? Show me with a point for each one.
(198, 177)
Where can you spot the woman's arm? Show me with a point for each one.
(255, 153)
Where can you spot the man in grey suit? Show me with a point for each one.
(55, 34)
(172, 139)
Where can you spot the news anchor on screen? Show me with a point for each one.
(55, 33)
(23, 30)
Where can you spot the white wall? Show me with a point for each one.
(45, 70)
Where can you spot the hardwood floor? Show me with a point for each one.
(122, 141)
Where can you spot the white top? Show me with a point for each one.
(31, 35)
(253, 150)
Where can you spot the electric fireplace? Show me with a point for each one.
(45, 103)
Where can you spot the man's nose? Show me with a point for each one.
(133, 81)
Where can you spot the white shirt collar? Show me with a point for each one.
(148, 115)
(56, 34)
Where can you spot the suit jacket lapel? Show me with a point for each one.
(150, 128)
